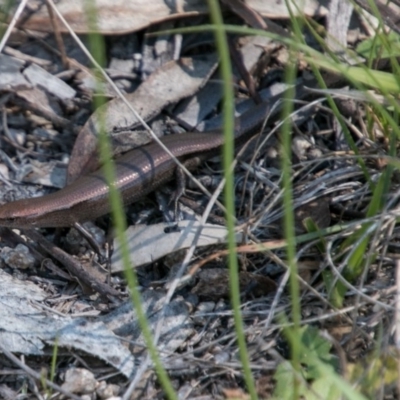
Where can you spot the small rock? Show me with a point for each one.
(300, 146)
(107, 392)
(79, 380)
(18, 258)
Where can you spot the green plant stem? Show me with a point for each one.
(228, 109)
(119, 222)
(53, 363)
(289, 232)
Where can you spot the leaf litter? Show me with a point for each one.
(42, 309)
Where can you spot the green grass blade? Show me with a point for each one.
(228, 108)
(97, 47)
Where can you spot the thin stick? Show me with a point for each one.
(13, 22)
(57, 35)
(36, 375)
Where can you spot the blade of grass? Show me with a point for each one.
(354, 268)
(288, 217)
(97, 47)
(228, 107)
(359, 74)
(385, 82)
(311, 227)
(330, 100)
(384, 37)
(53, 364)
(358, 243)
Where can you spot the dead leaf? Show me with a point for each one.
(122, 17)
(214, 283)
(148, 243)
(174, 81)
(236, 394)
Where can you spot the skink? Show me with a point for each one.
(138, 173)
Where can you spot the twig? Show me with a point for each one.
(57, 35)
(12, 24)
(72, 265)
(36, 375)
